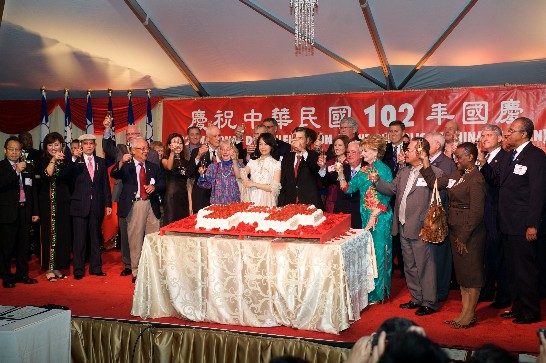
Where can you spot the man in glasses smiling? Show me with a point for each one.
(139, 202)
(117, 152)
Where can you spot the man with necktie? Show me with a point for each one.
(90, 199)
(412, 204)
(139, 202)
(445, 273)
(395, 147)
(202, 157)
(346, 203)
(496, 287)
(522, 218)
(18, 208)
(299, 173)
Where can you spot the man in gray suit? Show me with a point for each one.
(410, 210)
(441, 251)
(116, 153)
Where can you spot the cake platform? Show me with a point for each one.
(334, 226)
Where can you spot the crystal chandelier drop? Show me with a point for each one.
(304, 34)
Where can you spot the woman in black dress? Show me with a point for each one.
(54, 200)
(177, 168)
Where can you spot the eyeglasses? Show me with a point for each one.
(509, 131)
(411, 150)
(132, 133)
(141, 148)
(11, 149)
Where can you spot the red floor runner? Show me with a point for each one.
(111, 297)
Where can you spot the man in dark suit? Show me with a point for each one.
(442, 251)
(412, 204)
(347, 126)
(522, 219)
(283, 148)
(346, 203)
(18, 207)
(202, 157)
(89, 199)
(299, 173)
(395, 149)
(139, 202)
(494, 262)
(32, 158)
(116, 152)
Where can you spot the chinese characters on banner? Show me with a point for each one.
(421, 111)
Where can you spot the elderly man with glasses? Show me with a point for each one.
(117, 152)
(139, 201)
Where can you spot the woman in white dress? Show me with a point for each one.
(265, 174)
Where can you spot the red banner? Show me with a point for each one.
(421, 111)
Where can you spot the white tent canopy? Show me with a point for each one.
(191, 48)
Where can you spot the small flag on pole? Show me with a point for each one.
(44, 125)
(130, 115)
(149, 129)
(111, 110)
(89, 128)
(67, 123)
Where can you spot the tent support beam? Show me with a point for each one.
(317, 45)
(438, 42)
(2, 4)
(166, 46)
(379, 49)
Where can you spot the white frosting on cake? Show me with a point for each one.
(277, 219)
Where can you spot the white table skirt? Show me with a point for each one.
(255, 282)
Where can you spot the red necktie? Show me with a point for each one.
(142, 181)
(297, 166)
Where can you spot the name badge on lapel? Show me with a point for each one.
(451, 183)
(421, 182)
(520, 169)
(28, 181)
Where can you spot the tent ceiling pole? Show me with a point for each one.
(438, 42)
(166, 46)
(379, 49)
(2, 4)
(317, 45)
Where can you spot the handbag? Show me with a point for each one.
(435, 227)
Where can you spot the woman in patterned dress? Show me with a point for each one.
(375, 211)
(265, 174)
(222, 177)
(54, 200)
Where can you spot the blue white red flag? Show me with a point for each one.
(89, 128)
(149, 128)
(44, 124)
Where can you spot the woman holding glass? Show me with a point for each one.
(340, 148)
(177, 168)
(466, 190)
(375, 210)
(54, 200)
(265, 174)
(222, 176)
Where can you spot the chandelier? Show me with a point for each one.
(304, 33)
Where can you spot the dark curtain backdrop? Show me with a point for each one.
(19, 116)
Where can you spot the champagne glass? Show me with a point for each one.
(80, 159)
(110, 115)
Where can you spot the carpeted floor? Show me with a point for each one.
(111, 297)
